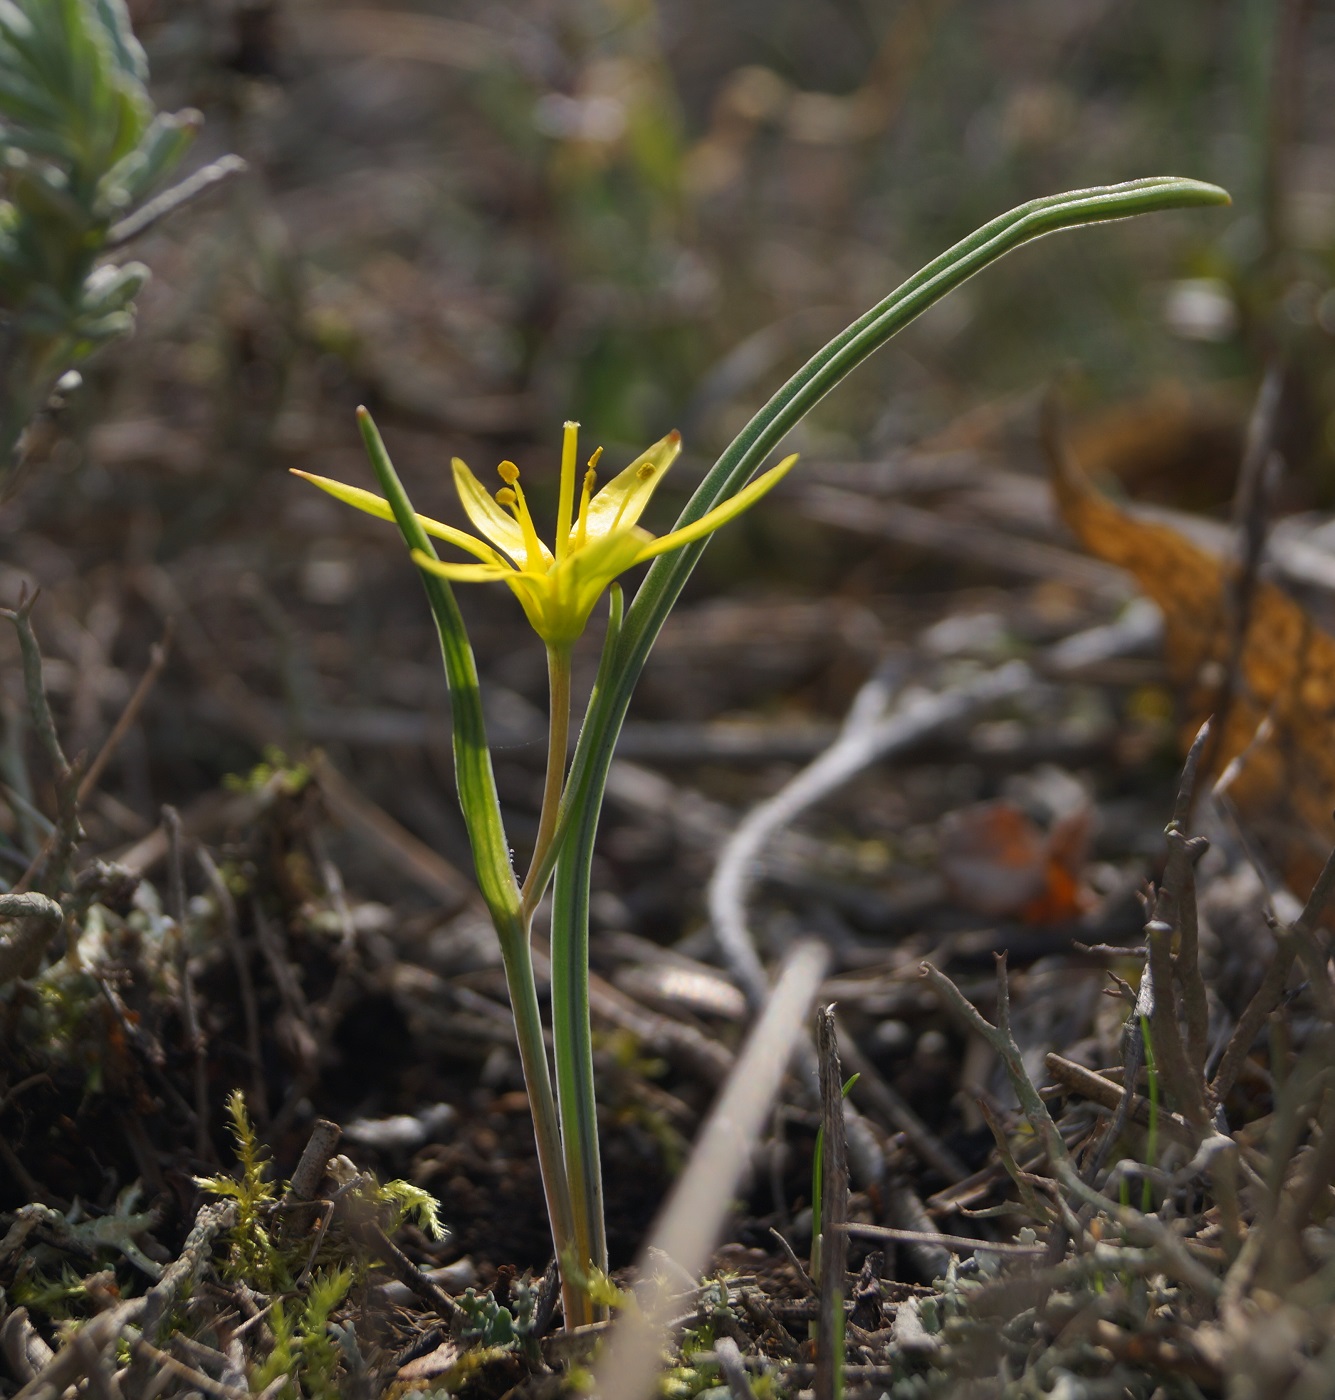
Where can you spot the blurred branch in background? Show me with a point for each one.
(81, 152)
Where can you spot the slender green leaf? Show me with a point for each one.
(668, 575)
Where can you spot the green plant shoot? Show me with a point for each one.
(597, 538)
(82, 156)
(818, 1183)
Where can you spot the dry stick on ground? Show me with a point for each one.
(1294, 1104)
(1133, 1045)
(37, 920)
(1257, 476)
(185, 1270)
(956, 1244)
(1268, 994)
(300, 1198)
(733, 1369)
(194, 1031)
(1183, 853)
(314, 1161)
(690, 1222)
(1185, 1090)
(1165, 976)
(87, 784)
(1301, 1199)
(1111, 1096)
(258, 1100)
(1037, 1211)
(425, 1289)
(834, 1209)
(157, 659)
(64, 839)
(873, 729)
(197, 1381)
(1148, 1230)
(99, 1334)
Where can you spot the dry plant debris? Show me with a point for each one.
(1251, 656)
(337, 970)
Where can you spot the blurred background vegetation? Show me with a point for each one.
(482, 218)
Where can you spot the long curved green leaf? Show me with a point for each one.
(666, 578)
(472, 757)
(668, 575)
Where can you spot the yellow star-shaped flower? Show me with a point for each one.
(594, 542)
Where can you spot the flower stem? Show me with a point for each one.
(558, 742)
(517, 957)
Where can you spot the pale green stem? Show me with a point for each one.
(572, 1035)
(572, 1042)
(566, 1239)
(544, 862)
(558, 744)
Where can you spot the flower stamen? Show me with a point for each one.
(513, 495)
(645, 473)
(585, 496)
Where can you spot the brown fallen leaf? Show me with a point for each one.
(1276, 721)
(998, 861)
(1172, 446)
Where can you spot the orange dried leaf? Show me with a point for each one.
(1283, 785)
(997, 861)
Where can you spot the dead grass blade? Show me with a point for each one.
(695, 1212)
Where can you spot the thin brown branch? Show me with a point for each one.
(834, 1209)
(37, 920)
(1145, 1229)
(157, 660)
(194, 1031)
(259, 1098)
(54, 856)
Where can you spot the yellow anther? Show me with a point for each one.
(508, 473)
(586, 493)
(505, 497)
(646, 471)
(596, 458)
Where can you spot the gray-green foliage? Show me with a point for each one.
(483, 1320)
(81, 151)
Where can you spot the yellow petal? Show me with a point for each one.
(492, 520)
(622, 501)
(720, 515)
(462, 573)
(379, 507)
